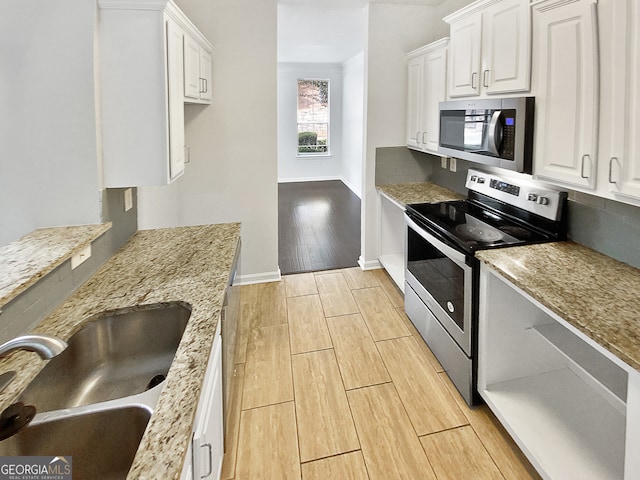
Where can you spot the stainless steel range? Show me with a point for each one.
(442, 273)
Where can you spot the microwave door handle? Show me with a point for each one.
(495, 133)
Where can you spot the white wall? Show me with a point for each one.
(292, 168)
(233, 171)
(353, 123)
(49, 166)
(394, 30)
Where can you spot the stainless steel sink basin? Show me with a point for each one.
(116, 354)
(102, 444)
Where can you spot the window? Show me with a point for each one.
(313, 117)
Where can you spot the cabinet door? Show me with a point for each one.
(191, 68)
(506, 47)
(464, 62)
(206, 62)
(624, 68)
(435, 91)
(187, 468)
(414, 101)
(565, 65)
(176, 100)
(208, 437)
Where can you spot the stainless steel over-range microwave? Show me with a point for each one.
(497, 132)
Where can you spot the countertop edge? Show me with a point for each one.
(191, 265)
(17, 265)
(561, 276)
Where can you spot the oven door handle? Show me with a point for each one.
(450, 252)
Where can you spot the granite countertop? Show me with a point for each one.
(595, 293)
(25, 261)
(418, 192)
(191, 265)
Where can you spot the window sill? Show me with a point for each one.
(314, 155)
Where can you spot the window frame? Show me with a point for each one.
(326, 153)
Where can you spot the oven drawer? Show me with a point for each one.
(451, 357)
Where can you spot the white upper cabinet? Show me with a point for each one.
(415, 73)
(490, 48)
(141, 63)
(175, 59)
(565, 78)
(426, 88)
(465, 48)
(620, 126)
(197, 71)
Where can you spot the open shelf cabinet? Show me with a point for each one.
(563, 398)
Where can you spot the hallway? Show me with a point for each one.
(318, 226)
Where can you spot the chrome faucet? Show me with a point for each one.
(46, 346)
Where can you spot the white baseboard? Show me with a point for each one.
(308, 179)
(350, 187)
(264, 277)
(369, 264)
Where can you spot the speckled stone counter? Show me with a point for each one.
(419, 192)
(188, 264)
(595, 293)
(25, 261)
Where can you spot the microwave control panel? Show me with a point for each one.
(508, 134)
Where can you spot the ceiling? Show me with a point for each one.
(325, 31)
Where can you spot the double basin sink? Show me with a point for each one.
(94, 400)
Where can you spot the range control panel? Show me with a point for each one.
(519, 192)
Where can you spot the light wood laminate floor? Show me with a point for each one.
(332, 381)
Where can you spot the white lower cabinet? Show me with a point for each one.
(204, 459)
(571, 405)
(392, 239)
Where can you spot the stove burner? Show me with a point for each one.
(479, 233)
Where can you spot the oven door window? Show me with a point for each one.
(441, 277)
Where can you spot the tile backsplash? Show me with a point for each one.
(20, 315)
(607, 226)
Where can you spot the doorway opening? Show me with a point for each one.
(321, 85)
(318, 226)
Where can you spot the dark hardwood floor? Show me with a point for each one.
(318, 226)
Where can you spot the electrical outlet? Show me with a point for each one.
(453, 164)
(443, 162)
(81, 256)
(128, 199)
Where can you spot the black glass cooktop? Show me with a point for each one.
(473, 227)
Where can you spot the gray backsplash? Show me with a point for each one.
(25, 311)
(401, 165)
(610, 227)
